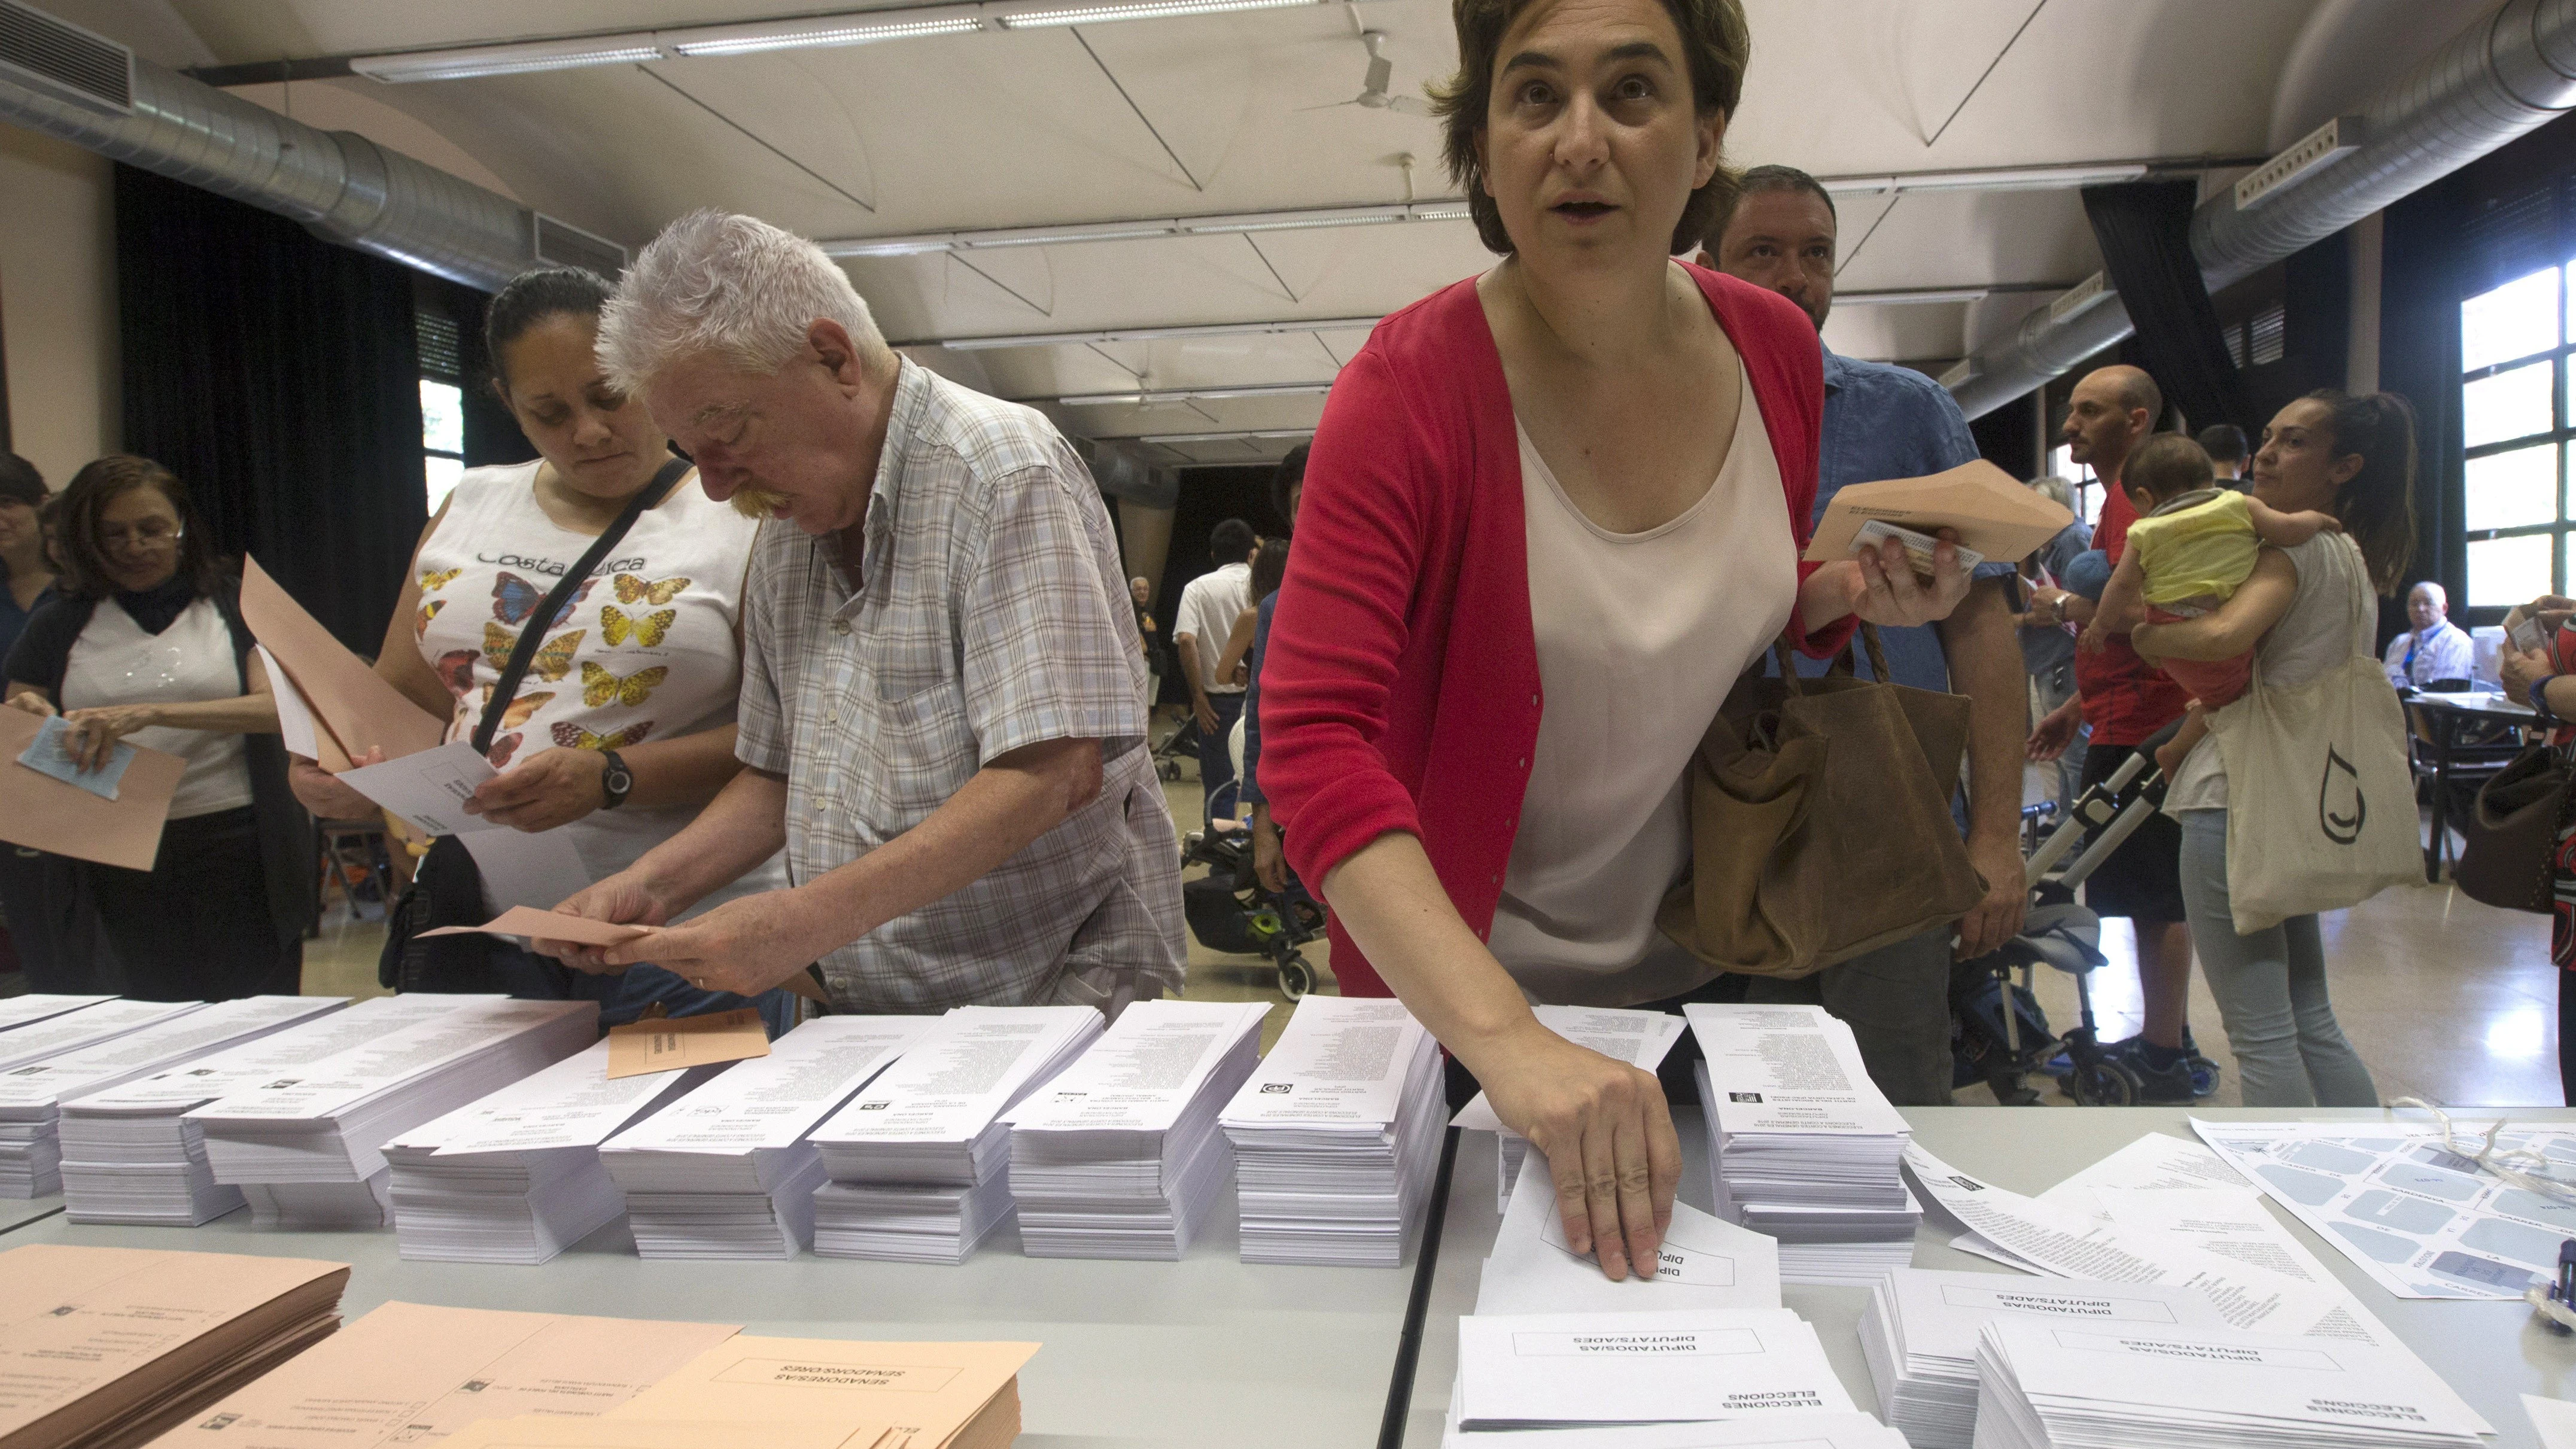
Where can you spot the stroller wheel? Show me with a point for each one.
(2102, 1084)
(1296, 978)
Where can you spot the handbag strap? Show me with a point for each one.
(1868, 635)
(524, 653)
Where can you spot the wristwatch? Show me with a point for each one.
(614, 781)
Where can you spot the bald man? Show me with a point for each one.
(2432, 648)
(2125, 700)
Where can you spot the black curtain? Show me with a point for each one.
(2420, 288)
(2144, 228)
(278, 376)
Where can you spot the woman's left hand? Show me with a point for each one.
(93, 733)
(1886, 590)
(745, 946)
(553, 787)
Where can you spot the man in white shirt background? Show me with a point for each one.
(1200, 628)
(2432, 648)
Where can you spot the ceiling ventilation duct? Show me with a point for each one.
(1121, 470)
(2507, 74)
(94, 93)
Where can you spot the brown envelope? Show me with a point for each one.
(537, 1432)
(105, 1346)
(939, 1395)
(410, 1374)
(667, 1044)
(581, 930)
(43, 813)
(349, 699)
(1994, 515)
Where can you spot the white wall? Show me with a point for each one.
(58, 301)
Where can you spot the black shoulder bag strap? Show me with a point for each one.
(524, 653)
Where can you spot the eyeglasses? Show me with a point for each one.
(151, 533)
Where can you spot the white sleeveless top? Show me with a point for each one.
(647, 650)
(1640, 636)
(115, 662)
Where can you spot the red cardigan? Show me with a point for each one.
(1400, 690)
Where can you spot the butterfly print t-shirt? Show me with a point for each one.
(644, 649)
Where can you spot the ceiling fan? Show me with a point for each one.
(1373, 91)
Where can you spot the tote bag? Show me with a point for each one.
(2321, 802)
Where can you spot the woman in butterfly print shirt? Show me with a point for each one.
(643, 660)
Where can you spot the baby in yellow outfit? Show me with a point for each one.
(2193, 546)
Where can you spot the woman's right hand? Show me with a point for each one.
(1607, 1136)
(32, 702)
(2551, 610)
(325, 794)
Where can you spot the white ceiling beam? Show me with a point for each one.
(1277, 327)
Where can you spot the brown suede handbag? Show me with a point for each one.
(2512, 834)
(1820, 820)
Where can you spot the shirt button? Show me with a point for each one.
(832, 717)
(840, 626)
(1524, 762)
(1533, 699)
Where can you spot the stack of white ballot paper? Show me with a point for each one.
(920, 1160)
(1640, 1038)
(31, 1096)
(1811, 1429)
(306, 1147)
(1705, 1262)
(1120, 1157)
(88, 1026)
(516, 1177)
(1337, 1136)
(1567, 1370)
(729, 1170)
(1920, 1330)
(131, 1155)
(2050, 1385)
(1803, 1144)
(35, 1006)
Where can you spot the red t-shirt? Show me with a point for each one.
(2126, 699)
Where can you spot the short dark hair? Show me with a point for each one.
(1230, 542)
(20, 480)
(1269, 567)
(535, 295)
(2223, 442)
(1717, 44)
(1291, 474)
(85, 500)
(2166, 466)
(1768, 178)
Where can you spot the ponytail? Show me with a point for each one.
(2377, 506)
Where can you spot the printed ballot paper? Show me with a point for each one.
(77, 1030)
(937, 1395)
(41, 812)
(131, 1156)
(1994, 515)
(516, 1176)
(1705, 1262)
(538, 1431)
(35, 1006)
(2553, 1420)
(106, 1346)
(429, 788)
(1562, 1370)
(31, 1096)
(728, 1171)
(51, 754)
(410, 1374)
(1337, 1136)
(1920, 1330)
(2051, 1385)
(1642, 1039)
(1815, 1429)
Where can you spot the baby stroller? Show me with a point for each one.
(1994, 1008)
(1229, 911)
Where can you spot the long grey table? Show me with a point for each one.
(17, 1212)
(1202, 1352)
(2490, 1351)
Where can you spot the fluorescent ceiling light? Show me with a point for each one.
(1147, 229)
(1032, 19)
(1297, 220)
(1912, 296)
(1998, 178)
(1150, 397)
(481, 60)
(1265, 435)
(862, 29)
(1047, 236)
(1148, 334)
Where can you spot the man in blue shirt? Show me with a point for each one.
(1892, 422)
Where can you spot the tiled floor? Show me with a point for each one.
(2446, 999)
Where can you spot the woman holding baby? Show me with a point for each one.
(2304, 611)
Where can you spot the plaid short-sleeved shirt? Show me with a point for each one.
(992, 614)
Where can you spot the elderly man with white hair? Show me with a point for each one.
(942, 709)
(2433, 647)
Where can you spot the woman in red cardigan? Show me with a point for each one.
(1551, 514)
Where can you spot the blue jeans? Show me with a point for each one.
(623, 997)
(2271, 988)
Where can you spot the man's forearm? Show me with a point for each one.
(1986, 666)
(992, 817)
(745, 824)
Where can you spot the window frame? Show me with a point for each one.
(2557, 438)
